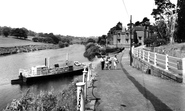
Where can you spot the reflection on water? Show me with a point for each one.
(10, 66)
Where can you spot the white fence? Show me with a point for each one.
(82, 87)
(173, 64)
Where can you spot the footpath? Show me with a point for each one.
(128, 89)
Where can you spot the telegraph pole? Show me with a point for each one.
(130, 40)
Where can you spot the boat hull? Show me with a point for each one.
(35, 79)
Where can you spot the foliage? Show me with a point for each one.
(46, 101)
(20, 33)
(6, 31)
(90, 40)
(63, 44)
(102, 40)
(149, 41)
(91, 51)
(43, 39)
(165, 11)
(181, 21)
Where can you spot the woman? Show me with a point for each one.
(115, 61)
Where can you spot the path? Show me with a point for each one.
(128, 89)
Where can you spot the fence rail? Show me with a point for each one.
(168, 63)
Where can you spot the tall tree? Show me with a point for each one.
(145, 23)
(165, 11)
(181, 21)
(6, 31)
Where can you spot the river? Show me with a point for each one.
(10, 65)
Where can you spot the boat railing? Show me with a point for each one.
(25, 72)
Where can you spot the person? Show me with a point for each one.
(102, 62)
(106, 62)
(115, 61)
(109, 63)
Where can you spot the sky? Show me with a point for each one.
(82, 18)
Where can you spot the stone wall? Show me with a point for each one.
(155, 71)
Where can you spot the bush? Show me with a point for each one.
(46, 101)
(91, 50)
(61, 44)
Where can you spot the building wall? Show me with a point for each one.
(122, 40)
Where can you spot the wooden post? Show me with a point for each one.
(148, 56)
(80, 96)
(155, 57)
(183, 69)
(166, 62)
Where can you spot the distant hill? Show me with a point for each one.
(11, 41)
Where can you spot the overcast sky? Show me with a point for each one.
(73, 17)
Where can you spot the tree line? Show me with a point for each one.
(23, 33)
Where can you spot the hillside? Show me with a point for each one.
(11, 41)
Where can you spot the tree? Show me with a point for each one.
(6, 31)
(145, 23)
(102, 40)
(165, 11)
(20, 33)
(91, 51)
(90, 40)
(137, 23)
(181, 21)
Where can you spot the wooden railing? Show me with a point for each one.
(174, 65)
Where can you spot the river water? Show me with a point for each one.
(10, 65)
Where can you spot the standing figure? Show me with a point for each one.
(102, 62)
(115, 61)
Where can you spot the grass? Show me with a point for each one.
(11, 41)
(175, 50)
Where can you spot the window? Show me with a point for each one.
(140, 37)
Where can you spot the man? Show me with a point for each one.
(102, 62)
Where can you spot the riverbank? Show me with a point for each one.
(25, 48)
(65, 100)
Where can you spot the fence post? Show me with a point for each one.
(166, 62)
(80, 96)
(85, 81)
(183, 70)
(148, 56)
(155, 58)
(143, 54)
(84, 74)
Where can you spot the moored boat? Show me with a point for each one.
(45, 72)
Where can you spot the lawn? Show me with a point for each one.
(11, 41)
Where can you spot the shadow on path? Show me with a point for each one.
(156, 102)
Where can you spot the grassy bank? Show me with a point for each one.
(10, 45)
(25, 48)
(11, 42)
(175, 50)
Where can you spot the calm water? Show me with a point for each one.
(10, 65)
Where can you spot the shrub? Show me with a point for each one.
(46, 101)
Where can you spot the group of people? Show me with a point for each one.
(107, 62)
